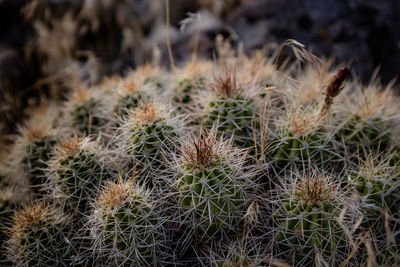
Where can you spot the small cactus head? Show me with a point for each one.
(77, 171)
(244, 252)
(307, 220)
(231, 110)
(377, 184)
(211, 188)
(150, 134)
(39, 237)
(364, 135)
(88, 111)
(300, 142)
(127, 228)
(31, 152)
(129, 97)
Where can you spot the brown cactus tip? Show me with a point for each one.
(31, 215)
(34, 133)
(201, 150)
(81, 95)
(315, 189)
(226, 84)
(69, 145)
(130, 86)
(115, 194)
(147, 112)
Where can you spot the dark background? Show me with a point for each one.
(41, 39)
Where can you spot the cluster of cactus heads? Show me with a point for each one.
(232, 162)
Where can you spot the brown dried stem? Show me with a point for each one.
(334, 88)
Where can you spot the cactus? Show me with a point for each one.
(212, 194)
(7, 207)
(88, 112)
(231, 112)
(371, 134)
(129, 98)
(77, 172)
(185, 88)
(301, 142)
(127, 230)
(306, 221)
(37, 154)
(39, 236)
(290, 174)
(151, 135)
(377, 187)
(155, 82)
(32, 151)
(239, 253)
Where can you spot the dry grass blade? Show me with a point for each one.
(301, 54)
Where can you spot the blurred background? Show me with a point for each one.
(44, 44)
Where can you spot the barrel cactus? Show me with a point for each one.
(77, 171)
(88, 111)
(300, 141)
(307, 221)
(150, 133)
(231, 110)
(125, 227)
(39, 236)
(211, 187)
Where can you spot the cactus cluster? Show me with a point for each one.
(231, 162)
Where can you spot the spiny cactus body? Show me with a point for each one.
(301, 150)
(151, 136)
(307, 221)
(39, 236)
(231, 112)
(77, 172)
(127, 229)
(184, 90)
(212, 194)
(129, 98)
(88, 111)
(371, 134)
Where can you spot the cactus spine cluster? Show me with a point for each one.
(126, 228)
(78, 171)
(150, 137)
(206, 166)
(211, 187)
(307, 220)
(231, 111)
(39, 237)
